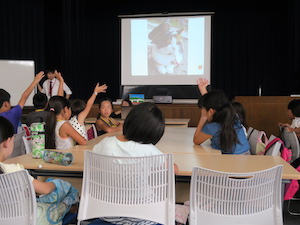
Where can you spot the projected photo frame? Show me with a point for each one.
(165, 50)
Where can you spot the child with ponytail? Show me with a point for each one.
(59, 132)
(220, 123)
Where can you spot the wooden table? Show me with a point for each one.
(180, 140)
(185, 162)
(168, 121)
(186, 155)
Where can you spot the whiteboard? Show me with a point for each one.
(15, 77)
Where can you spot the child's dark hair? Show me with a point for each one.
(6, 129)
(224, 115)
(77, 106)
(102, 100)
(293, 103)
(241, 113)
(296, 110)
(55, 105)
(4, 97)
(52, 70)
(128, 101)
(144, 124)
(40, 100)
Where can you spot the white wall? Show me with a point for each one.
(15, 77)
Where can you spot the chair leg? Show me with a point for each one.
(294, 213)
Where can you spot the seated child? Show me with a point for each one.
(105, 123)
(219, 122)
(143, 128)
(40, 102)
(44, 189)
(293, 113)
(117, 114)
(6, 149)
(80, 110)
(59, 133)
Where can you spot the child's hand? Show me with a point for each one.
(58, 76)
(100, 89)
(202, 84)
(38, 77)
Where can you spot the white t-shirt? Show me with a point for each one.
(55, 86)
(113, 147)
(296, 122)
(62, 143)
(9, 168)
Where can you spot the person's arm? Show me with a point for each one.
(67, 130)
(43, 188)
(283, 124)
(296, 130)
(199, 136)
(59, 77)
(40, 88)
(98, 89)
(67, 90)
(100, 125)
(28, 91)
(202, 85)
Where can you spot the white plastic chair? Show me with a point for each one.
(92, 132)
(252, 135)
(28, 144)
(95, 130)
(136, 187)
(275, 149)
(19, 147)
(236, 198)
(17, 199)
(291, 141)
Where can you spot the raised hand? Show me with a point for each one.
(100, 89)
(202, 84)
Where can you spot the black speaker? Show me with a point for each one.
(163, 99)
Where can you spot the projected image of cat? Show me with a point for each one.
(166, 50)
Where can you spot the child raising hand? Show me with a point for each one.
(80, 110)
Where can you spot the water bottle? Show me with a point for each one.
(38, 140)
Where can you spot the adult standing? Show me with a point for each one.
(51, 85)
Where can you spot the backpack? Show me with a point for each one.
(257, 140)
(292, 187)
(285, 152)
(261, 143)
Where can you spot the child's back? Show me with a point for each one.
(40, 102)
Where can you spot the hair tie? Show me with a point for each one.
(52, 109)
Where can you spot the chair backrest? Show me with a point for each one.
(236, 198)
(274, 149)
(257, 140)
(19, 147)
(28, 144)
(137, 187)
(92, 132)
(291, 141)
(26, 129)
(17, 199)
